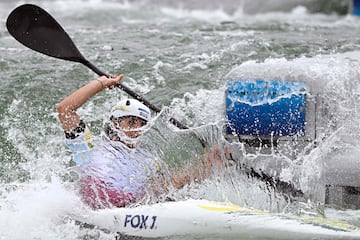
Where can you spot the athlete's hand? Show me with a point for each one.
(111, 81)
(214, 156)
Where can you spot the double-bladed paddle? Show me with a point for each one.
(38, 30)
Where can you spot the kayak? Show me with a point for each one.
(210, 218)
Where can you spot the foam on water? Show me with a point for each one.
(37, 209)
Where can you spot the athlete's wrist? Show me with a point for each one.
(101, 81)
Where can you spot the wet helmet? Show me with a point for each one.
(130, 107)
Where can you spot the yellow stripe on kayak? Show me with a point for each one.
(229, 207)
(319, 221)
(330, 223)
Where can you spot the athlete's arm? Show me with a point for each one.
(199, 169)
(66, 109)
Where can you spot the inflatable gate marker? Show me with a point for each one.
(355, 7)
(265, 108)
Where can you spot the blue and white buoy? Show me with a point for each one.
(265, 109)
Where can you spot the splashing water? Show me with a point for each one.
(179, 58)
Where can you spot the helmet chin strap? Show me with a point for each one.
(130, 142)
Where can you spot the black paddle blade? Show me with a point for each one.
(38, 30)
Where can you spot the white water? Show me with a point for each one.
(38, 208)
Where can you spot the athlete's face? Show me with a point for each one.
(130, 125)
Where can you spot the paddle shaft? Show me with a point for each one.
(133, 94)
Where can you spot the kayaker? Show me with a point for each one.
(113, 172)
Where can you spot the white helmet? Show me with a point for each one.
(130, 107)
